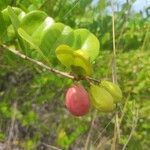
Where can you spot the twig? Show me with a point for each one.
(114, 79)
(11, 130)
(124, 109)
(90, 132)
(103, 142)
(64, 74)
(38, 63)
(134, 124)
(101, 132)
(74, 5)
(114, 75)
(43, 4)
(145, 38)
(113, 147)
(92, 79)
(52, 147)
(125, 17)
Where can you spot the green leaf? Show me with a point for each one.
(28, 38)
(81, 64)
(48, 35)
(77, 60)
(86, 41)
(17, 11)
(31, 21)
(38, 33)
(65, 55)
(2, 26)
(13, 17)
(44, 35)
(53, 36)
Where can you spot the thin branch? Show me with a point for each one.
(51, 147)
(90, 132)
(12, 126)
(125, 17)
(102, 132)
(114, 75)
(13, 119)
(145, 38)
(134, 124)
(74, 5)
(114, 78)
(113, 146)
(124, 109)
(55, 71)
(16, 52)
(91, 79)
(102, 144)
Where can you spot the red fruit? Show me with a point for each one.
(77, 100)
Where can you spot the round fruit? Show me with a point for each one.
(77, 100)
(113, 89)
(101, 99)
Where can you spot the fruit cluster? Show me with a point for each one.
(103, 97)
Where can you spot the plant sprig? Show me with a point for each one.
(50, 69)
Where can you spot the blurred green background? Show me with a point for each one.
(32, 111)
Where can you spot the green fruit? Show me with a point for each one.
(101, 99)
(113, 89)
(64, 54)
(81, 64)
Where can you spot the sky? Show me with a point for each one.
(137, 6)
(140, 4)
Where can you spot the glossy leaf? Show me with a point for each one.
(10, 18)
(77, 60)
(86, 41)
(17, 11)
(55, 35)
(28, 38)
(31, 21)
(81, 65)
(13, 17)
(2, 26)
(37, 36)
(45, 35)
(65, 55)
